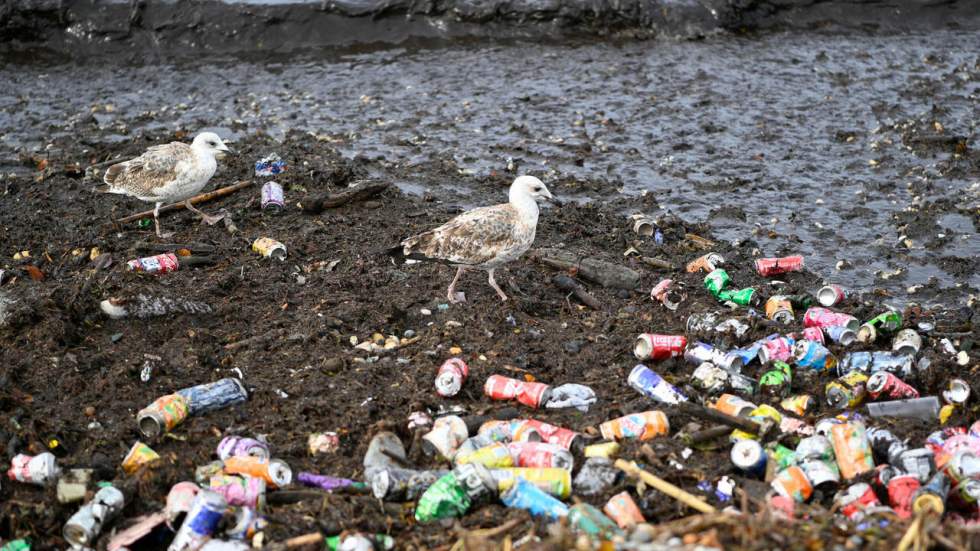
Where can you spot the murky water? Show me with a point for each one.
(792, 140)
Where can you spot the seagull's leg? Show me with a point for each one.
(496, 287)
(156, 221)
(206, 218)
(451, 293)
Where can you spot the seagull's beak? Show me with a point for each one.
(227, 150)
(551, 199)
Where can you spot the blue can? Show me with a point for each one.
(648, 383)
(749, 457)
(525, 495)
(813, 355)
(841, 334)
(748, 353)
(270, 165)
(201, 521)
(214, 396)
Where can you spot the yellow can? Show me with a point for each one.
(758, 415)
(140, 454)
(494, 456)
(605, 449)
(555, 481)
(269, 248)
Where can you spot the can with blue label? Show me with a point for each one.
(652, 385)
(525, 495)
(213, 396)
(813, 355)
(749, 457)
(201, 521)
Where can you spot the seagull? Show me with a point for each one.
(168, 173)
(482, 238)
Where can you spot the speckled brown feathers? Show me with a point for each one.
(149, 175)
(483, 237)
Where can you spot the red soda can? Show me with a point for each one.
(451, 376)
(532, 395)
(856, 498)
(813, 334)
(540, 455)
(822, 317)
(886, 385)
(830, 295)
(901, 490)
(650, 346)
(773, 266)
(537, 431)
(159, 264)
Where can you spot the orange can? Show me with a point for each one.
(779, 308)
(642, 426)
(140, 454)
(705, 263)
(792, 483)
(852, 448)
(733, 405)
(623, 510)
(275, 472)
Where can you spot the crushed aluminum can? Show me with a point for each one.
(87, 523)
(831, 295)
(451, 376)
(762, 414)
(495, 455)
(733, 405)
(162, 415)
(711, 324)
(776, 381)
(716, 281)
(815, 447)
(855, 499)
(531, 394)
(270, 165)
(709, 378)
(650, 346)
(918, 461)
(705, 263)
(885, 322)
(140, 454)
(540, 455)
(399, 485)
(872, 362)
(774, 266)
(587, 520)
(203, 473)
(749, 457)
(700, 352)
(418, 420)
(623, 510)
(531, 430)
(247, 524)
(800, 404)
(39, 469)
(886, 446)
(840, 334)
(814, 355)
(557, 482)
(814, 334)
(741, 383)
(386, 450)
(272, 197)
(912, 408)
(320, 443)
(73, 484)
(234, 446)
(792, 483)
(269, 248)
(665, 293)
(823, 318)
(823, 475)
(596, 476)
(776, 348)
(957, 392)
(907, 341)
(644, 226)
(201, 521)
(445, 437)
(852, 449)
(240, 490)
(932, 495)
(901, 490)
(641, 426)
(652, 385)
(847, 391)
(158, 264)
(478, 483)
(963, 465)
(884, 385)
(275, 472)
(179, 500)
(527, 496)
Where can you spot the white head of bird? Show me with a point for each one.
(525, 192)
(210, 142)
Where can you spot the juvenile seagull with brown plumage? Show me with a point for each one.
(482, 238)
(168, 173)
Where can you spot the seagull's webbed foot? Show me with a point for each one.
(212, 219)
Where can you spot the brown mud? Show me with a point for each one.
(59, 355)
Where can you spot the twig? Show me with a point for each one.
(699, 241)
(657, 263)
(911, 534)
(709, 414)
(169, 247)
(566, 283)
(496, 530)
(298, 541)
(684, 497)
(204, 197)
(327, 201)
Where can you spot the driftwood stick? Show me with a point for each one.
(313, 539)
(204, 197)
(691, 500)
(328, 201)
(593, 269)
(566, 283)
(657, 263)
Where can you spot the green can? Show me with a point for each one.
(783, 456)
(716, 281)
(444, 499)
(590, 521)
(776, 381)
(742, 297)
(800, 302)
(887, 321)
(17, 545)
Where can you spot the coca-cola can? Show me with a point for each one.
(39, 469)
(533, 430)
(272, 197)
(540, 455)
(901, 490)
(774, 266)
(829, 295)
(855, 499)
(665, 293)
(884, 385)
(531, 394)
(231, 446)
(822, 317)
(450, 377)
(659, 347)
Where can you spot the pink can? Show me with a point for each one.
(538, 431)
(813, 334)
(778, 348)
(856, 499)
(885, 385)
(901, 491)
(38, 469)
(451, 376)
(532, 395)
(159, 264)
(241, 491)
(540, 455)
(179, 500)
(830, 295)
(822, 318)
(774, 266)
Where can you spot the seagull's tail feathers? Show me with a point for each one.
(397, 253)
(407, 250)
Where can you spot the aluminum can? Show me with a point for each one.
(39, 469)
(901, 490)
(539, 455)
(275, 472)
(776, 381)
(711, 323)
(477, 482)
(269, 248)
(710, 378)
(792, 483)
(386, 450)
(885, 322)
(450, 377)
(918, 461)
(527, 496)
(445, 498)
(792, 425)
(779, 308)
(705, 263)
(179, 500)
(397, 484)
(497, 431)
(643, 225)
(640, 426)
(716, 281)
(815, 447)
(531, 394)
(749, 457)
(813, 355)
(652, 385)
(962, 465)
(957, 393)
(847, 391)
(932, 495)
(557, 482)
(776, 348)
(822, 318)
(231, 446)
(733, 405)
(586, 519)
(86, 524)
(814, 334)
(495, 455)
(741, 383)
(907, 341)
(885, 445)
(605, 449)
(445, 437)
(741, 297)
(954, 445)
(665, 293)
(158, 264)
(782, 456)
(531, 430)
(162, 415)
(822, 475)
(247, 524)
(240, 491)
(270, 165)
(773, 266)
(328, 483)
(140, 454)
(623, 510)
(699, 353)
(840, 334)
(761, 414)
(855, 499)
(936, 440)
(474, 443)
(872, 362)
(800, 404)
(214, 396)
(831, 295)
(650, 346)
(884, 385)
(319, 443)
(852, 449)
(272, 197)
(201, 522)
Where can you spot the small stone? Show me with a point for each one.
(962, 358)
(89, 411)
(572, 347)
(623, 294)
(115, 337)
(425, 312)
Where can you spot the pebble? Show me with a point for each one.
(425, 312)
(409, 333)
(962, 358)
(89, 411)
(455, 350)
(572, 347)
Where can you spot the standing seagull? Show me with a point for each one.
(482, 238)
(168, 173)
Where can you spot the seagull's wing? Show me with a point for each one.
(142, 176)
(472, 238)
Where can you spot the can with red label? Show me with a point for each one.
(855, 499)
(533, 430)
(887, 386)
(665, 293)
(159, 264)
(774, 266)
(901, 491)
(531, 394)
(650, 346)
(622, 509)
(829, 295)
(450, 377)
(814, 334)
(540, 455)
(241, 491)
(39, 469)
(823, 318)
(641, 426)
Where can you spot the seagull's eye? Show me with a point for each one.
(537, 189)
(212, 144)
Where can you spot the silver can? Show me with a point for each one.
(918, 461)
(272, 197)
(710, 378)
(815, 447)
(822, 474)
(86, 524)
(907, 341)
(201, 521)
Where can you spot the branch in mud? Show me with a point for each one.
(329, 201)
(202, 198)
(598, 271)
